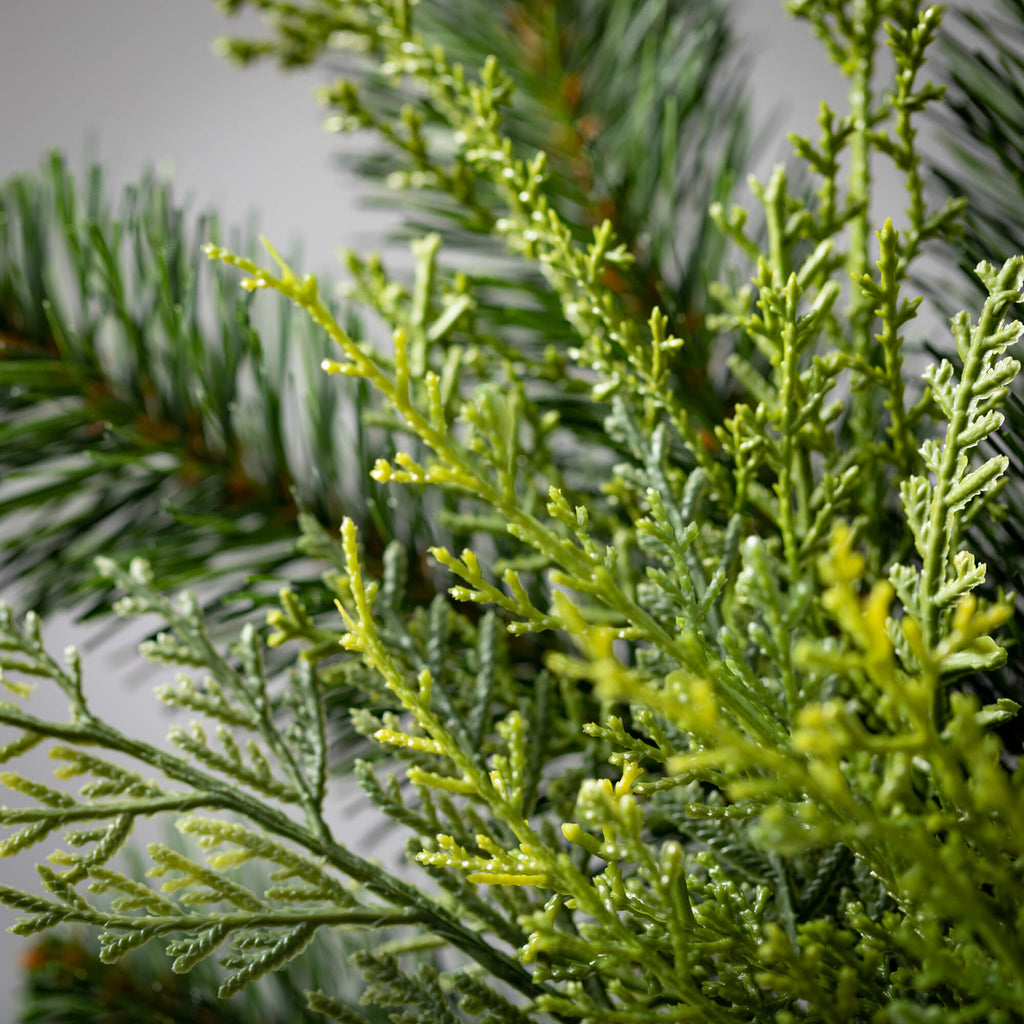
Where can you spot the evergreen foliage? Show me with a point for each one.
(984, 158)
(128, 366)
(144, 412)
(674, 738)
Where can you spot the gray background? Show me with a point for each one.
(138, 77)
(135, 83)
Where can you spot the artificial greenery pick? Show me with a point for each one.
(676, 710)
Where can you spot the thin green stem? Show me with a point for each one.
(107, 810)
(861, 58)
(359, 917)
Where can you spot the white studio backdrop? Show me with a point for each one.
(135, 83)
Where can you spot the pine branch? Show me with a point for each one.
(626, 140)
(160, 459)
(143, 412)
